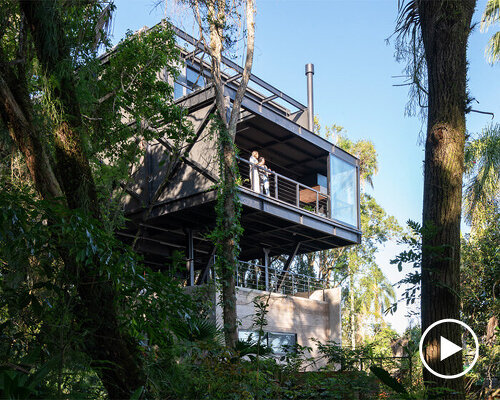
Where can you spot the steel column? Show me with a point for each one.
(190, 256)
(266, 267)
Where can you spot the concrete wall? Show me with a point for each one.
(315, 317)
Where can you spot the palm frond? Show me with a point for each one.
(482, 169)
(493, 49)
(491, 14)
(195, 329)
(408, 17)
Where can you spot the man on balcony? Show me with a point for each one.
(264, 176)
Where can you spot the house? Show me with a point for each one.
(312, 203)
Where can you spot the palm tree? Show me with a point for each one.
(482, 171)
(377, 292)
(491, 16)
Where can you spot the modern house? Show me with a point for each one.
(312, 203)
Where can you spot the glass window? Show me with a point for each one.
(194, 78)
(178, 90)
(281, 342)
(247, 336)
(188, 80)
(344, 191)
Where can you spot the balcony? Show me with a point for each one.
(254, 276)
(279, 187)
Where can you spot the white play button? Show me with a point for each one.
(447, 348)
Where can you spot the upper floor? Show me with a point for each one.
(305, 199)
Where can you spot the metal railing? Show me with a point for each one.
(254, 276)
(284, 189)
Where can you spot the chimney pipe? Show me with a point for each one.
(310, 99)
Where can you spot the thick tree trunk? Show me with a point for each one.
(445, 30)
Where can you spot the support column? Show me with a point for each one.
(266, 267)
(190, 256)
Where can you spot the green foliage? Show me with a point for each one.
(20, 384)
(194, 328)
(480, 274)
(388, 380)
(491, 16)
(413, 256)
(482, 174)
(365, 151)
(39, 305)
(347, 358)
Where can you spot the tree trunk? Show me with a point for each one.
(352, 310)
(445, 30)
(229, 248)
(230, 245)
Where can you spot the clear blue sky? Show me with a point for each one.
(352, 83)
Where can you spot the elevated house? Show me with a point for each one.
(312, 203)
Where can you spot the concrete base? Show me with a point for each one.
(317, 317)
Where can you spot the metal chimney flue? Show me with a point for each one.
(310, 97)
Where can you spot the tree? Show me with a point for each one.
(216, 20)
(362, 271)
(63, 120)
(491, 16)
(482, 172)
(480, 268)
(441, 30)
(366, 288)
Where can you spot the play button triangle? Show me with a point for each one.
(448, 348)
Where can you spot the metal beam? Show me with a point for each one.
(203, 275)
(188, 38)
(285, 141)
(286, 266)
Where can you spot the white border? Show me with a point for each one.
(441, 321)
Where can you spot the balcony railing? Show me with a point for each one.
(283, 189)
(254, 276)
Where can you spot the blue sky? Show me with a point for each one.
(353, 84)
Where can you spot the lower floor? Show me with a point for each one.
(301, 318)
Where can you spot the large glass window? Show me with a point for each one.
(344, 191)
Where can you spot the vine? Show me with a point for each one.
(227, 189)
(228, 229)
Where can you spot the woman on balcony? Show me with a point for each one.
(254, 171)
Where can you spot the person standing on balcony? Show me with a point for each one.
(254, 171)
(264, 176)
